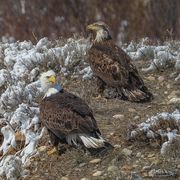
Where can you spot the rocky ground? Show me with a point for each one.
(128, 160)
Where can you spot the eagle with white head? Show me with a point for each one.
(68, 119)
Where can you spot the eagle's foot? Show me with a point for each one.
(53, 151)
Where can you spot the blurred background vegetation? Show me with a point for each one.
(128, 19)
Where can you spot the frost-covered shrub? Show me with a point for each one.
(163, 129)
(22, 63)
(160, 56)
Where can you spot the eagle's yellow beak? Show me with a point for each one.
(92, 27)
(52, 79)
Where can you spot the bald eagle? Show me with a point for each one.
(113, 67)
(68, 119)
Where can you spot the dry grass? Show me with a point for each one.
(74, 164)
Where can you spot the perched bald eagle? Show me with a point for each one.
(113, 67)
(68, 118)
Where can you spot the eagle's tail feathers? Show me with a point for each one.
(92, 142)
(95, 145)
(137, 95)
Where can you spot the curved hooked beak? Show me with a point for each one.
(91, 27)
(52, 79)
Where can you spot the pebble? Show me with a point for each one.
(82, 164)
(127, 152)
(97, 173)
(165, 92)
(161, 79)
(151, 78)
(84, 178)
(168, 86)
(112, 168)
(136, 117)
(178, 166)
(64, 178)
(131, 110)
(117, 146)
(95, 161)
(138, 155)
(151, 155)
(118, 116)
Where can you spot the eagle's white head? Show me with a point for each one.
(101, 31)
(50, 83)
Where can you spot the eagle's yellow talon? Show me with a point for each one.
(52, 151)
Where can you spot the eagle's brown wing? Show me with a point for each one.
(111, 64)
(64, 113)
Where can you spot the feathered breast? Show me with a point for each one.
(111, 64)
(65, 112)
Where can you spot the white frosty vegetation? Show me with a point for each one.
(21, 63)
(162, 129)
(159, 56)
(20, 66)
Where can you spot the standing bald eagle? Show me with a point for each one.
(113, 67)
(68, 118)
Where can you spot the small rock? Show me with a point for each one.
(84, 178)
(174, 101)
(127, 152)
(97, 173)
(131, 110)
(112, 134)
(112, 168)
(161, 79)
(118, 116)
(178, 166)
(168, 86)
(151, 78)
(136, 117)
(82, 164)
(138, 155)
(42, 148)
(117, 146)
(64, 178)
(151, 155)
(94, 161)
(165, 92)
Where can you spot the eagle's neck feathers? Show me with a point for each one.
(53, 90)
(102, 35)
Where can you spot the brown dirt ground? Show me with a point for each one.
(74, 164)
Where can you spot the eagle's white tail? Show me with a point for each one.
(87, 140)
(91, 142)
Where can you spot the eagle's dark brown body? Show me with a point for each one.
(65, 115)
(114, 68)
